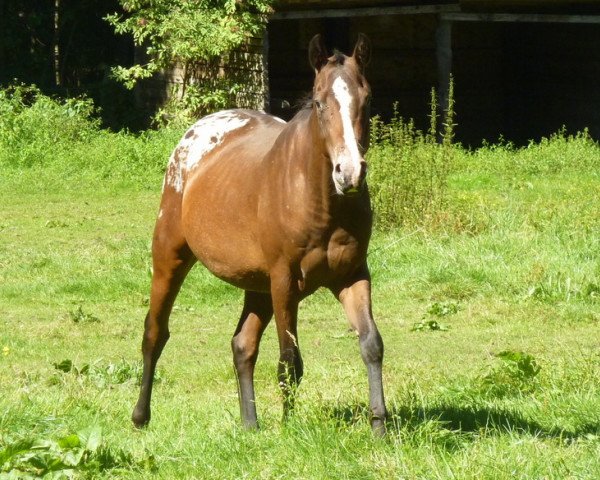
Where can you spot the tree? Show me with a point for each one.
(195, 35)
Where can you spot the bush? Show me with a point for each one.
(43, 139)
(558, 153)
(32, 124)
(409, 169)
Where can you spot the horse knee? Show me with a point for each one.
(244, 351)
(371, 347)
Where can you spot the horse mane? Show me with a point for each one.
(338, 58)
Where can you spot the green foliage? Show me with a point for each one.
(560, 152)
(439, 310)
(197, 35)
(442, 309)
(79, 316)
(69, 456)
(409, 169)
(429, 326)
(101, 375)
(63, 139)
(32, 124)
(517, 374)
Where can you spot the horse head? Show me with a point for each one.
(341, 102)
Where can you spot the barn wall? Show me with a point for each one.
(402, 69)
(520, 81)
(525, 80)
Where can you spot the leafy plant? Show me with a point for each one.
(105, 374)
(64, 457)
(442, 309)
(517, 374)
(197, 35)
(79, 316)
(429, 325)
(31, 124)
(409, 168)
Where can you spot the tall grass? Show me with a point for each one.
(489, 315)
(60, 142)
(409, 168)
(560, 152)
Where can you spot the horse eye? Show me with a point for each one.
(320, 105)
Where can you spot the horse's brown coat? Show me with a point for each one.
(278, 210)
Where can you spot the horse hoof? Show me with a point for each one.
(140, 419)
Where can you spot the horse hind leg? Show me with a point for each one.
(256, 315)
(172, 260)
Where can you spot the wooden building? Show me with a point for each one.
(522, 68)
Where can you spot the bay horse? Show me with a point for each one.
(277, 209)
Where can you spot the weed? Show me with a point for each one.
(409, 168)
(442, 309)
(79, 316)
(48, 141)
(436, 309)
(102, 375)
(517, 374)
(82, 452)
(429, 326)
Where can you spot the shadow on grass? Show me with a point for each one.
(462, 420)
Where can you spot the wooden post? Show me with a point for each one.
(443, 53)
(56, 44)
(265, 71)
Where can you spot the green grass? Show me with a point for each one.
(490, 313)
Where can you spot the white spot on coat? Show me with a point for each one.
(205, 135)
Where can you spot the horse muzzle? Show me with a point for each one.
(349, 178)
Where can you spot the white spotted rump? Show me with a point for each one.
(204, 136)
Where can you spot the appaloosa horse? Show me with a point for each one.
(277, 209)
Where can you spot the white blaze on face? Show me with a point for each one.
(199, 140)
(349, 158)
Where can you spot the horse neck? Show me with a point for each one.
(310, 160)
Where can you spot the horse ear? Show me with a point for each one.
(317, 52)
(362, 51)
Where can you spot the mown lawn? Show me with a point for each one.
(490, 316)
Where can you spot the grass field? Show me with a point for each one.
(490, 315)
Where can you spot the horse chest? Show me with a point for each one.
(332, 258)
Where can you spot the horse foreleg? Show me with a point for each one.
(356, 300)
(285, 305)
(256, 315)
(171, 263)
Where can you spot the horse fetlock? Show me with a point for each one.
(378, 427)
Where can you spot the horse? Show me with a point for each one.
(279, 210)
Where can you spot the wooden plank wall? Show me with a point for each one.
(402, 68)
(516, 80)
(525, 80)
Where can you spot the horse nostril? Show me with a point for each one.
(338, 168)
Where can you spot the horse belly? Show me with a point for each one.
(219, 215)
